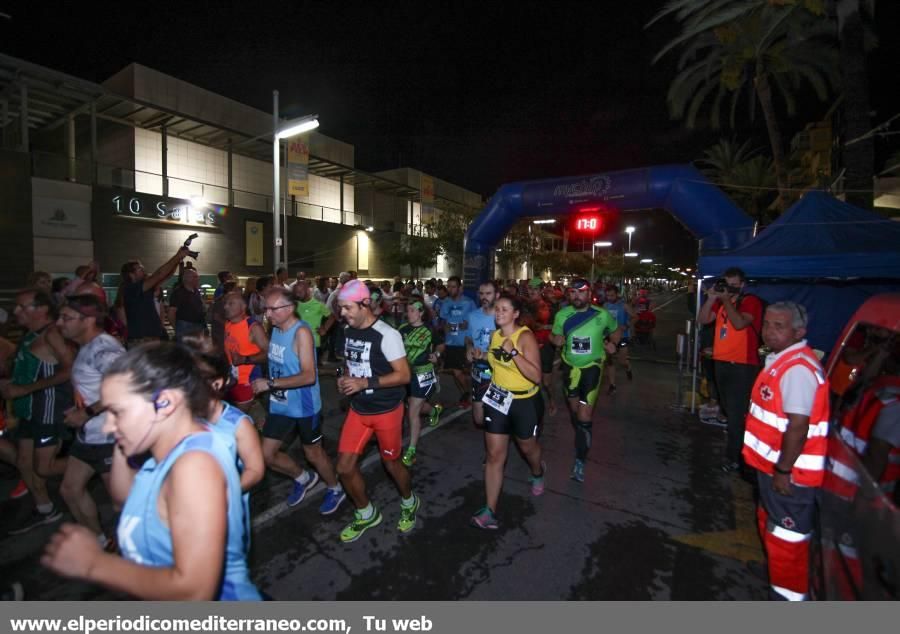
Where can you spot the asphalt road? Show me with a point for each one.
(655, 518)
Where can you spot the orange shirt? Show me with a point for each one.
(738, 346)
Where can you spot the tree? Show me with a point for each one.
(415, 252)
(449, 231)
(736, 49)
(745, 175)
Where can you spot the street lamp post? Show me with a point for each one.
(281, 131)
(593, 255)
(629, 230)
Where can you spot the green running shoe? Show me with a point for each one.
(435, 415)
(409, 457)
(408, 516)
(358, 526)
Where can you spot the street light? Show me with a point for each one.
(631, 254)
(594, 246)
(281, 131)
(646, 261)
(629, 230)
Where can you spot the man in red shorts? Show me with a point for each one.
(375, 379)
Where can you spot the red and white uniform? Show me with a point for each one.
(792, 382)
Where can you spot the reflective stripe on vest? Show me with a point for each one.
(767, 421)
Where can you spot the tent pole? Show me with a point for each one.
(696, 350)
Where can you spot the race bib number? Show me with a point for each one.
(426, 379)
(498, 398)
(581, 345)
(358, 354)
(279, 396)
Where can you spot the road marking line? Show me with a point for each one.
(274, 511)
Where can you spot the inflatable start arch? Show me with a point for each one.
(680, 189)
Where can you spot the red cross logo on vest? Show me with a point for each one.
(788, 523)
(766, 393)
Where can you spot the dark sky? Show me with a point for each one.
(476, 93)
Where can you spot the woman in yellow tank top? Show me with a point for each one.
(513, 405)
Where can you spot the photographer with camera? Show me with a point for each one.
(137, 289)
(738, 322)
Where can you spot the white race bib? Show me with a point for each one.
(426, 379)
(581, 345)
(498, 398)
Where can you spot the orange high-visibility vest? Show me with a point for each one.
(767, 421)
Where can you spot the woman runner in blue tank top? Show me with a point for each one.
(182, 527)
(234, 426)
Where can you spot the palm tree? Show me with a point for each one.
(771, 51)
(745, 175)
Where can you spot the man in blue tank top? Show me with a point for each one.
(478, 340)
(622, 311)
(295, 405)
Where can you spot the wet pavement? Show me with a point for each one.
(654, 519)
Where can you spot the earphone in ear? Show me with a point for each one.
(158, 405)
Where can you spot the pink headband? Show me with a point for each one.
(354, 291)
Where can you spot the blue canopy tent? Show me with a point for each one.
(823, 253)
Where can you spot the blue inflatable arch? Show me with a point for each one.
(680, 189)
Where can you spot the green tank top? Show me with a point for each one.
(417, 341)
(25, 372)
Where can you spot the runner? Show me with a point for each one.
(378, 373)
(182, 527)
(81, 321)
(478, 340)
(455, 315)
(513, 405)
(622, 311)
(540, 312)
(313, 312)
(41, 393)
(295, 404)
(233, 425)
(585, 333)
(423, 382)
(245, 346)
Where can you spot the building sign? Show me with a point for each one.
(254, 240)
(169, 210)
(298, 167)
(61, 218)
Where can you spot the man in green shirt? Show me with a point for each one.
(312, 311)
(585, 334)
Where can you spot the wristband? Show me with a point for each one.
(781, 471)
(513, 353)
(373, 383)
(271, 384)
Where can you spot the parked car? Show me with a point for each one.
(857, 555)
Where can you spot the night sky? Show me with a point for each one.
(475, 93)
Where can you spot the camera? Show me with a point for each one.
(187, 243)
(722, 286)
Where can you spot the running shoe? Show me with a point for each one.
(37, 519)
(485, 519)
(434, 416)
(409, 456)
(358, 526)
(300, 490)
(537, 482)
(715, 422)
(20, 491)
(578, 471)
(333, 499)
(408, 516)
